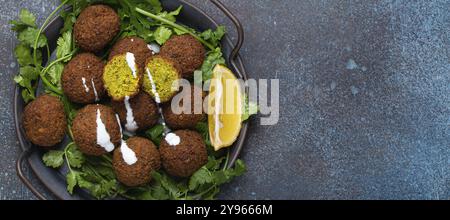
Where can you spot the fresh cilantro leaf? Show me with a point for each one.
(213, 58)
(171, 15)
(162, 34)
(72, 180)
(156, 6)
(214, 37)
(53, 158)
(23, 55)
(64, 47)
(155, 133)
(75, 157)
(200, 177)
(28, 37)
(202, 128)
(55, 73)
(27, 17)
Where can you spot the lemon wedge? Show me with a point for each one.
(224, 108)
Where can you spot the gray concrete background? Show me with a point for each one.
(365, 98)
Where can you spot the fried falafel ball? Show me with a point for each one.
(161, 78)
(122, 77)
(134, 45)
(95, 27)
(44, 121)
(179, 116)
(82, 79)
(140, 172)
(183, 159)
(187, 51)
(141, 113)
(96, 130)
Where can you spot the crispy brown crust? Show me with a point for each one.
(145, 111)
(134, 45)
(95, 27)
(187, 157)
(84, 129)
(90, 67)
(184, 121)
(187, 51)
(44, 121)
(140, 172)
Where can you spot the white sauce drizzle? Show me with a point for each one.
(103, 138)
(131, 63)
(84, 84)
(95, 91)
(128, 155)
(172, 139)
(131, 124)
(155, 93)
(154, 48)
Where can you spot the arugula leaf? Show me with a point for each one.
(53, 158)
(213, 58)
(162, 34)
(214, 37)
(155, 134)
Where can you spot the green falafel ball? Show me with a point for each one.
(161, 78)
(122, 77)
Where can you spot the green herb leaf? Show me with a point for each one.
(250, 108)
(23, 55)
(213, 58)
(72, 180)
(214, 37)
(155, 133)
(26, 19)
(29, 35)
(75, 157)
(162, 34)
(202, 176)
(171, 15)
(64, 47)
(53, 158)
(55, 73)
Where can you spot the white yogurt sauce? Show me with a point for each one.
(131, 63)
(84, 84)
(172, 139)
(152, 83)
(128, 155)
(103, 138)
(154, 48)
(218, 102)
(131, 124)
(95, 91)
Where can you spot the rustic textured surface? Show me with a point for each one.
(365, 107)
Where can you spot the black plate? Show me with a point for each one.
(53, 179)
